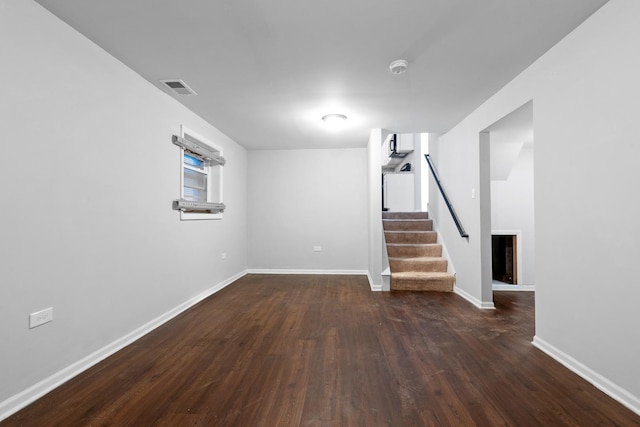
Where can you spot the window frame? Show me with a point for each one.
(214, 174)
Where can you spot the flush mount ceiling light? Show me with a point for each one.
(334, 119)
(398, 66)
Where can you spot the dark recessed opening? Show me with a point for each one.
(503, 248)
(175, 85)
(178, 86)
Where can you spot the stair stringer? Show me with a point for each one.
(386, 280)
(445, 253)
(386, 271)
(451, 270)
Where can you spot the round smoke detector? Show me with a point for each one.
(398, 66)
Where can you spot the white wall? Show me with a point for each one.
(88, 173)
(424, 174)
(512, 209)
(416, 158)
(376, 254)
(584, 93)
(458, 168)
(399, 192)
(299, 199)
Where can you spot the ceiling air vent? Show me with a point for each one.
(178, 86)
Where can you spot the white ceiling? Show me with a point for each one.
(267, 71)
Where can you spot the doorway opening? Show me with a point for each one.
(504, 259)
(507, 203)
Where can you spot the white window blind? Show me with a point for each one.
(198, 147)
(201, 177)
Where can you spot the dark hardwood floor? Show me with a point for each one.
(326, 351)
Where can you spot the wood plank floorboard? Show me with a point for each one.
(276, 350)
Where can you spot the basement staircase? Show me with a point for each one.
(415, 257)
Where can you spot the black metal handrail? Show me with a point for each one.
(446, 199)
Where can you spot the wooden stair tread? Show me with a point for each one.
(421, 275)
(411, 231)
(399, 215)
(406, 219)
(408, 245)
(418, 258)
(422, 281)
(414, 250)
(407, 224)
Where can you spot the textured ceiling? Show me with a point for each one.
(267, 71)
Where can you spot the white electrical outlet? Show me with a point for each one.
(223, 255)
(40, 317)
(317, 249)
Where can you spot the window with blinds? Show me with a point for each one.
(201, 177)
(195, 178)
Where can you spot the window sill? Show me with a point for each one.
(190, 216)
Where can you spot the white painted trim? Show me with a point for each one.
(528, 288)
(386, 280)
(519, 262)
(36, 391)
(372, 285)
(473, 300)
(604, 384)
(304, 271)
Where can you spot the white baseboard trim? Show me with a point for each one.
(386, 280)
(36, 391)
(484, 305)
(303, 271)
(372, 285)
(603, 384)
(515, 288)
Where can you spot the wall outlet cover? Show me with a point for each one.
(40, 317)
